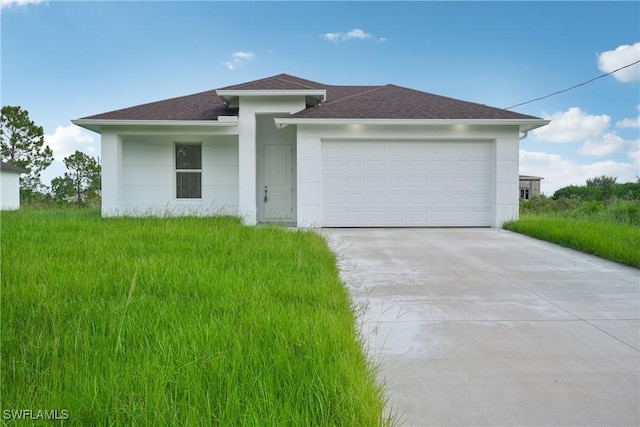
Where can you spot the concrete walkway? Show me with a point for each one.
(484, 327)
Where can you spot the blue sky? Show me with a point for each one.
(66, 60)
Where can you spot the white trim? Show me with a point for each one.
(524, 125)
(97, 124)
(322, 93)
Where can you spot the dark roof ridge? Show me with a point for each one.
(337, 101)
(297, 81)
(284, 79)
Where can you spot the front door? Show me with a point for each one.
(278, 189)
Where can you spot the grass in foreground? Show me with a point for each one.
(608, 230)
(182, 321)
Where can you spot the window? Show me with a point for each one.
(188, 171)
(524, 193)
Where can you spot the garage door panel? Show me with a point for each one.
(331, 165)
(376, 183)
(355, 199)
(418, 217)
(397, 199)
(356, 166)
(417, 182)
(354, 181)
(376, 166)
(459, 165)
(397, 165)
(438, 166)
(406, 183)
(417, 165)
(397, 182)
(437, 199)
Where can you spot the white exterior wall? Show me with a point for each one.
(111, 173)
(10, 190)
(139, 176)
(249, 107)
(505, 142)
(507, 179)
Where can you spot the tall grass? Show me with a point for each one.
(610, 230)
(178, 321)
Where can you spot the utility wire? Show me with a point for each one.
(572, 87)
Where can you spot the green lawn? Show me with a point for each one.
(609, 230)
(181, 321)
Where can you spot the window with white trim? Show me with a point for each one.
(188, 171)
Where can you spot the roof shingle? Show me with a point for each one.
(342, 102)
(200, 106)
(395, 102)
(8, 167)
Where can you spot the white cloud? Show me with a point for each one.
(355, 34)
(559, 172)
(572, 125)
(5, 4)
(332, 37)
(630, 123)
(591, 131)
(239, 58)
(67, 139)
(621, 56)
(606, 144)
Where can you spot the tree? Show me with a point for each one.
(572, 191)
(23, 145)
(62, 187)
(82, 180)
(604, 183)
(600, 189)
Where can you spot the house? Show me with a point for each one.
(288, 150)
(10, 186)
(529, 186)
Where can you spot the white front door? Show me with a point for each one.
(278, 189)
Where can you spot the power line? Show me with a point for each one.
(573, 87)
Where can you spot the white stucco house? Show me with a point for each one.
(10, 186)
(288, 150)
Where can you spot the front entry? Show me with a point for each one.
(278, 189)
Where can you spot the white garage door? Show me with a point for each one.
(406, 183)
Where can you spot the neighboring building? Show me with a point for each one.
(529, 186)
(289, 150)
(10, 186)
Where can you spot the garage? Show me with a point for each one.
(409, 183)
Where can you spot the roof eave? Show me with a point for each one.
(96, 125)
(231, 96)
(523, 125)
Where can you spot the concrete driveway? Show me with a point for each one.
(476, 327)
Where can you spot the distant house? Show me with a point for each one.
(289, 150)
(529, 186)
(10, 186)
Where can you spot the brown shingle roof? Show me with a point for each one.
(279, 82)
(200, 106)
(342, 102)
(8, 167)
(395, 102)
